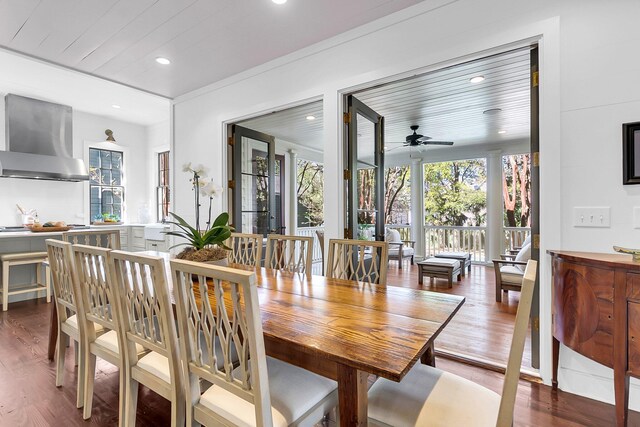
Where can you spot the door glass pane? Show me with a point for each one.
(366, 179)
(255, 223)
(255, 190)
(254, 156)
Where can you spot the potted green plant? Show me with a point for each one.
(203, 245)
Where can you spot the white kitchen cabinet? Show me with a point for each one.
(157, 245)
(137, 242)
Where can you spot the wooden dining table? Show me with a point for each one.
(345, 330)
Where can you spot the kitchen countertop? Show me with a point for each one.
(17, 234)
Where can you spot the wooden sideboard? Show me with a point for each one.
(596, 313)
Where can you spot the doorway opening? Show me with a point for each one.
(276, 175)
(456, 160)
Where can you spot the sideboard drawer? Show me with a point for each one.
(633, 330)
(633, 286)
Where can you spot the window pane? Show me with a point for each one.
(116, 160)
(94, 158)
(106, 177)
(116, 177)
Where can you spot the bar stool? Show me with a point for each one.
(24, 258)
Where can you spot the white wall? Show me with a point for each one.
(158, 140)
(588, 89)
(68, 201)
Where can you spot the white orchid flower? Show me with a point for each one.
(211, 190)
(186, 167)
(201, 170)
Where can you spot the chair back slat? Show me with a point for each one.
(289, 253)
(62, 271)
(512, 375)
(222, 305)
(147, 315)
(361, 260)
(95, 286)
(102, 238)
(246, 249)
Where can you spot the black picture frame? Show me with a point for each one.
(631, 153)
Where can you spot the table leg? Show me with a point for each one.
(555, 357)
(429, 356)
(420, 273)
(352, 396)
(53, 332)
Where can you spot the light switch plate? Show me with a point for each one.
(592, 217)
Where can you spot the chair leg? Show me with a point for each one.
(47, 281)
(61, 349)
(131, 405)
(122, 397)
(177, 409)
(82, 361)
(76, 352)
(5, 286)
(89, 374)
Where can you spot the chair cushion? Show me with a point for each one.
(294, 391)
(110, 342)
(73, 322)
(392, 235)
(439, 262)
(524, 254)
(406, 251)
(156, 364)
(511, 274)
(427, 396)
(466, 255)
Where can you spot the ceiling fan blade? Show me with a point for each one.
(395, 142)
(437, 143)
(424, 138)
(395, 148)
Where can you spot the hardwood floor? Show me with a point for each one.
(28, 396)
(483, 328)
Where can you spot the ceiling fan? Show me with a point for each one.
(415, 140)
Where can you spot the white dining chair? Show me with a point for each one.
(430, 397)
(289, 253)
(67, 307)
(246, 249)
(260, 391)
(147, 321)
(102, 238)
(361, 260)
(100, 308)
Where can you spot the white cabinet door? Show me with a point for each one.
(157, 245)
(137, 239)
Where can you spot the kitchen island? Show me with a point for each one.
(132, 238)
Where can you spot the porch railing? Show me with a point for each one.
(311, 232)
(514, 236)
(456, 239)
(403, 229)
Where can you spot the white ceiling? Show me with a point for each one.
(206, 40)
(444, 103)
(36, 79)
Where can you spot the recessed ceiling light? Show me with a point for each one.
(311, 117)
(476, 79)
(491, 111)
(163, 61)
(279, 1)
(502, 132)
(116, 106)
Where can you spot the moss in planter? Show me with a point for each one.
(203, 255)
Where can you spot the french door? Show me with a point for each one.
(535, 206)
(364, 172)
(253, 186)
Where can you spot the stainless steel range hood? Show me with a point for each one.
(39, 141)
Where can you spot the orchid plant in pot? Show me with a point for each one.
(203, 245)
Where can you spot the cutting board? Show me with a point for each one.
(49, 229)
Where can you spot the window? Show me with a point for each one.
(106, 192)
(163, 191)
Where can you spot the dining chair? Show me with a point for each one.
(431, 397)
(361, 260)
(100, 308)
(67, 306)
(147, 321)
(260, 391)
(246, 249)
(102, 238)
(289, 253)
